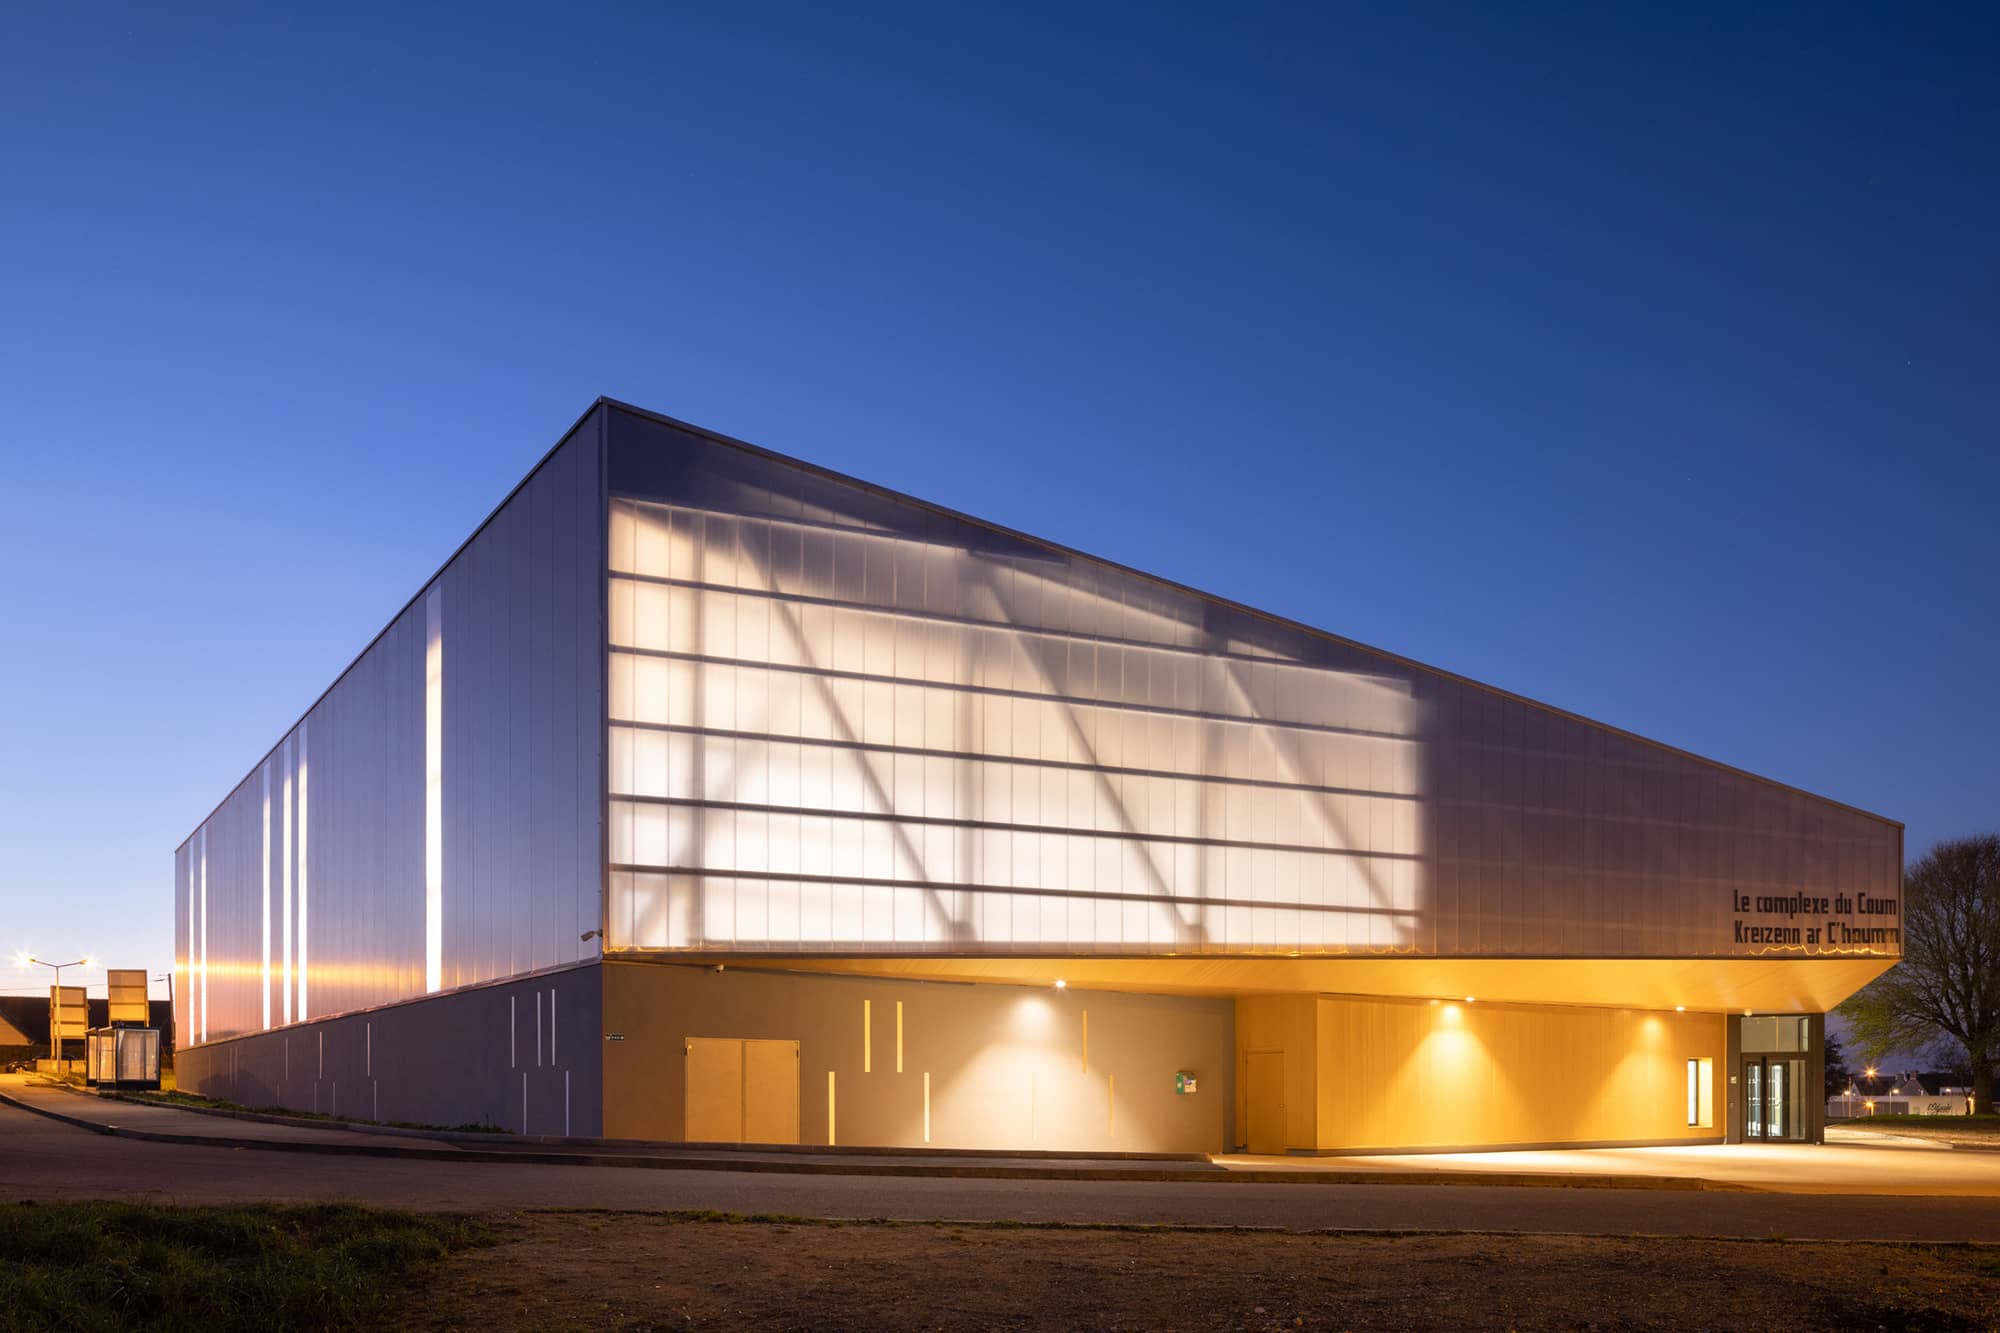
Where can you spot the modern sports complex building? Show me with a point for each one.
(706, 795)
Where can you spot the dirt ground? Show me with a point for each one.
(558, 1270)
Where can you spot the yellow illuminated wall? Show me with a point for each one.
(976, 1066)
(1369, 1073)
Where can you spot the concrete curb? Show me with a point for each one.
(956, 1171)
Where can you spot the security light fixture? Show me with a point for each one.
(55, 1019)
(1061, 984)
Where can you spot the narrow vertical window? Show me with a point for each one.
(285, 874)
(304, 971)
(434, 790)
(1701, 1093)
(266, 989)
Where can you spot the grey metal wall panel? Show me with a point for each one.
(520, 783)
(469, 1058)
(842, 721)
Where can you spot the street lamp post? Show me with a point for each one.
(55, 1018)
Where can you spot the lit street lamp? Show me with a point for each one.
(55, 1018)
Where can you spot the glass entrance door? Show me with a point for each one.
(1772, 1091)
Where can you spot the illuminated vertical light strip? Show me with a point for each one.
(204, 935)
(829, 1109)
(188, 995)
(304, 971)
(266, 989)
(434, 790)
(285, 873)
(899, 1036)
(867, 1036)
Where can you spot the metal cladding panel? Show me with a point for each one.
(514, 779)
(845, 722)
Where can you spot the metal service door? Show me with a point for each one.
(714, 1093)
(770, 1092)
(741, 1091)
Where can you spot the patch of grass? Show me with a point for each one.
(90, 1266)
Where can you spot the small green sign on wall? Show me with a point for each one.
(1184, 1083)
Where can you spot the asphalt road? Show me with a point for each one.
(44, 1159)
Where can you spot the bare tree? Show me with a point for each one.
(1947, 988)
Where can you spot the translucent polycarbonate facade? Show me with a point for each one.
(889, 751)
(435, 819)
(842, 721)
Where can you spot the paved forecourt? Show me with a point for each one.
(43, 1158)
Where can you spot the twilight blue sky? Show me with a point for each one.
(1644, 363)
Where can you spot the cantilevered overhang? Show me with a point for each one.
(1765, 985)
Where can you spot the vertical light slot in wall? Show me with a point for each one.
(305, 972)
(899, 1036)
(265, 989)
(204, 935)
(867, 1037)
(434, 790)
(285, 876)
(830, 1140)
(188, 956)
